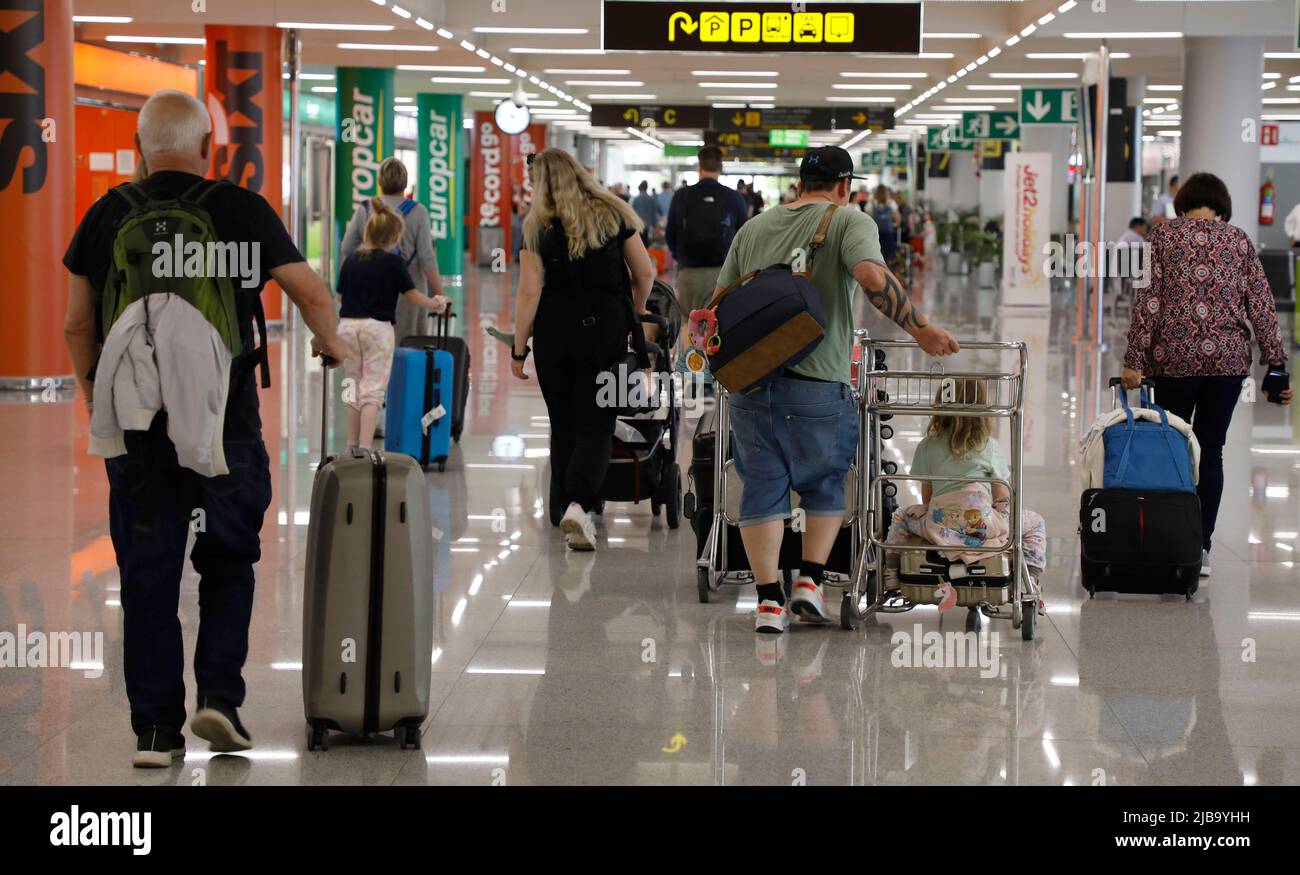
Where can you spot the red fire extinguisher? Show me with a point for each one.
(1267, 195)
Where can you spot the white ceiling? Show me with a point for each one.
(800, 79)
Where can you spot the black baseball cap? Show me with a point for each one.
(827, 163)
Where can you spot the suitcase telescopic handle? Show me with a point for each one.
(1117, 386)
(325, 362)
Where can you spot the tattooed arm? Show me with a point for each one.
(886, 294)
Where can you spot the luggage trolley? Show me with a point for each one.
(1000, 586)
(712, 568)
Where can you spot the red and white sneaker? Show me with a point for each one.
(808, 601)
(771, 617)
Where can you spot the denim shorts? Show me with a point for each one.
(796, 435)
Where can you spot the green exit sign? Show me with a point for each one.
(796, 139)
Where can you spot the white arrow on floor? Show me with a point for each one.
(1038, 108)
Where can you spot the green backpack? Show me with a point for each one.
(177, 222)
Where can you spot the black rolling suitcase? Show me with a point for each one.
(459, 349)
(1138, 541)
(698, 507)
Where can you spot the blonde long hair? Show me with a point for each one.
(384, 227)
(966, 434)
(564, 190)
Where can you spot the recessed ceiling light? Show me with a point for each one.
(468, 80)
(1128, 34)
(974, 107)
(622, 96)
(387, 47)
(325, 25)
(438, 68)
(585, 71)
(535, 30)
(1033, 75)
(1070, 56)
(857, 74)
(1282, 56)
(980, 99)
(736, 84)
(605, 83)
(932, 56)
(992, 87)
(102, 19)
(314, 77)
(734, 73)
(855, 86)
(746, 97)
(1280, 100)
(532, 50)
(157, 40)
(324, 89)
(862, 98)
(1164, 88)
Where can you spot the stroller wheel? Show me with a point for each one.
(673, 503)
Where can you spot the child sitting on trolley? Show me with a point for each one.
(959, 513)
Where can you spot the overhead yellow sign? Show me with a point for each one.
(662, 25)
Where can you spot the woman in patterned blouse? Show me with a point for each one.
(1189, 330)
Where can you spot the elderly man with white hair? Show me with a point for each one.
(154, 501)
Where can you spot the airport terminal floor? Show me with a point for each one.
(558, 667)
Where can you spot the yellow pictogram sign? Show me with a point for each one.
(767, 27)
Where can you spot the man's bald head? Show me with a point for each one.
(173, 132)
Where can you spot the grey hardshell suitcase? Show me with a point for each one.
(368, 600)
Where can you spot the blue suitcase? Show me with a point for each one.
(418, 422)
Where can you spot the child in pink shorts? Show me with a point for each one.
(370, 282)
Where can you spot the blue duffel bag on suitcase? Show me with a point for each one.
(418, 422)
(1142, 454)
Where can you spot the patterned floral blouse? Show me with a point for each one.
(1206, 284)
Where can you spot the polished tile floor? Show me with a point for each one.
(554, 668)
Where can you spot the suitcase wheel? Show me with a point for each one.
(407, 735)
(702, 584)
(317, 736)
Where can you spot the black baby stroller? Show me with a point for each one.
(643, 461)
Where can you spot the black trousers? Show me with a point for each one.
(569, 358)
(1207, 403)
(153, 504)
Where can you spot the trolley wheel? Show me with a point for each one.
(1028, 619)
(673, 507)
(848, 612)
(316, 737)
(973, 618)
(702, 584)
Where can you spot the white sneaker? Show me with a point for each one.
(579, 530)
(1205, 563)
(771, 617)
(808, 602)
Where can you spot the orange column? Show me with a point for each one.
(243, 92)
(36, 185)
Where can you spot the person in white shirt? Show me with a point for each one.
(1136, 234)
(1163, 206)
(1292, 225)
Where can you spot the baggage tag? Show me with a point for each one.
(431, 417)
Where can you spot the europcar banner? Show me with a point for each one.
(243, 95)
(437, 176)
(492, 188)
(363, 137)
(1026, 191)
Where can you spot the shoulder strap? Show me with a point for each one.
(204, 189)
(406, 206)
(735, 284)
(131, 193)
(818, 238)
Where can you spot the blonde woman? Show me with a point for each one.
(371, 281)
(957, 512)
(584, 275)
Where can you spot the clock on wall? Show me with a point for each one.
(512, 118)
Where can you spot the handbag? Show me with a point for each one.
(1146, 455)
(776, 323)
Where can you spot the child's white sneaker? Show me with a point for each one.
(579, 530)
(771, 617)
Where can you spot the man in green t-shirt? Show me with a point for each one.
(800, 431)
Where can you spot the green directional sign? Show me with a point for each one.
(989, 125)
(955, 142)
(896, 154)
(934, 140)
(1049, 106)
(874, 161)
(788, 138)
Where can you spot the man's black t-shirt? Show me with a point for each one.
(238, 216)
(370, 283)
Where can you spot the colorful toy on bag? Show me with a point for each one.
(703, 327)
